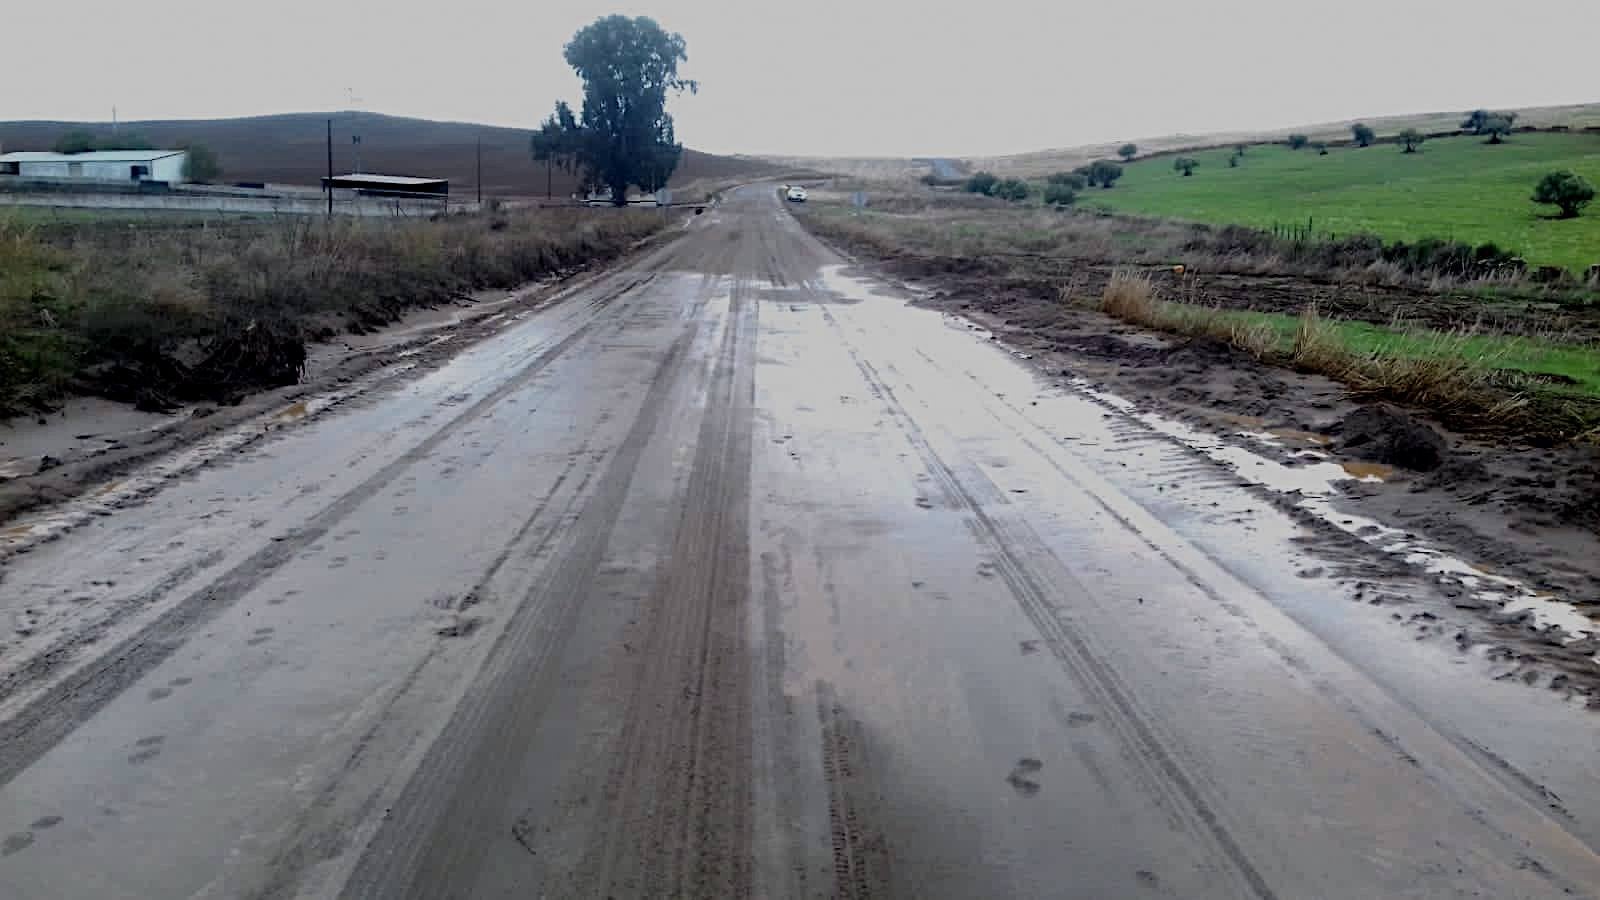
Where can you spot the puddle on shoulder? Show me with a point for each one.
(1314, 487)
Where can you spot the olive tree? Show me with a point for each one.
(1568, 192)
(1128, 151)
(1186, 165)
(1297, 141)
(982, 183)
(1496, 127)
(1411, 138)
(1104, 173)
(1364, 136)
(1058, 194)
(1069, 180)
(1011, 189)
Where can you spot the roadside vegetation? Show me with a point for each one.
(160, 316)
(1413, 322)
(1474, 381)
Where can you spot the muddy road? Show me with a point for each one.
(733, 574)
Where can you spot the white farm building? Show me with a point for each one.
(98, 165)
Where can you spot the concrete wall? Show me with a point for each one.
(344, 203)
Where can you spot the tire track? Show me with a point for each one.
(1013, 544)
(677, 803)
(45, 721)
(427, 848)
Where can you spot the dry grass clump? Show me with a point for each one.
(1447, 374)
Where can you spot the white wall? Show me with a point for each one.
(169, 169)
(165, 169)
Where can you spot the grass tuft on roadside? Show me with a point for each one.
(1460, 376)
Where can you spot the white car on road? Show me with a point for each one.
(796, 194)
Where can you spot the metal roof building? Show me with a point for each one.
(389, 185)
(97, 165)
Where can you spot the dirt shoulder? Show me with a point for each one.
(90, 442)
(1508, 509)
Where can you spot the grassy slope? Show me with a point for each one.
(292, 149)
(1454, 188)
(1038, 163)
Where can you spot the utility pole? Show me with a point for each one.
(328, 185)
(549, 168)
(355, 136)
(480, 173)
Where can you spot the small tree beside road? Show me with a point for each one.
(1186, 165)
(1411, 138)
(1128, 151)
(1566, 191)
(1363, 135)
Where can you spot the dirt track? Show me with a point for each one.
(732, 574)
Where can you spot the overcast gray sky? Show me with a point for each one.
(865, 77)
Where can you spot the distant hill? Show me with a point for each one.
(291, 149)
(1041, 162)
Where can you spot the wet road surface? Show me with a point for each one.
(730, 574)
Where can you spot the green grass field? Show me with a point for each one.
(1453, 188)
(1572, 369)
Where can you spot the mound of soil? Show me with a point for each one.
(1202, 353)
(1384, 434)
(248, 357)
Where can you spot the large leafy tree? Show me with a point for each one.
(624, 136)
